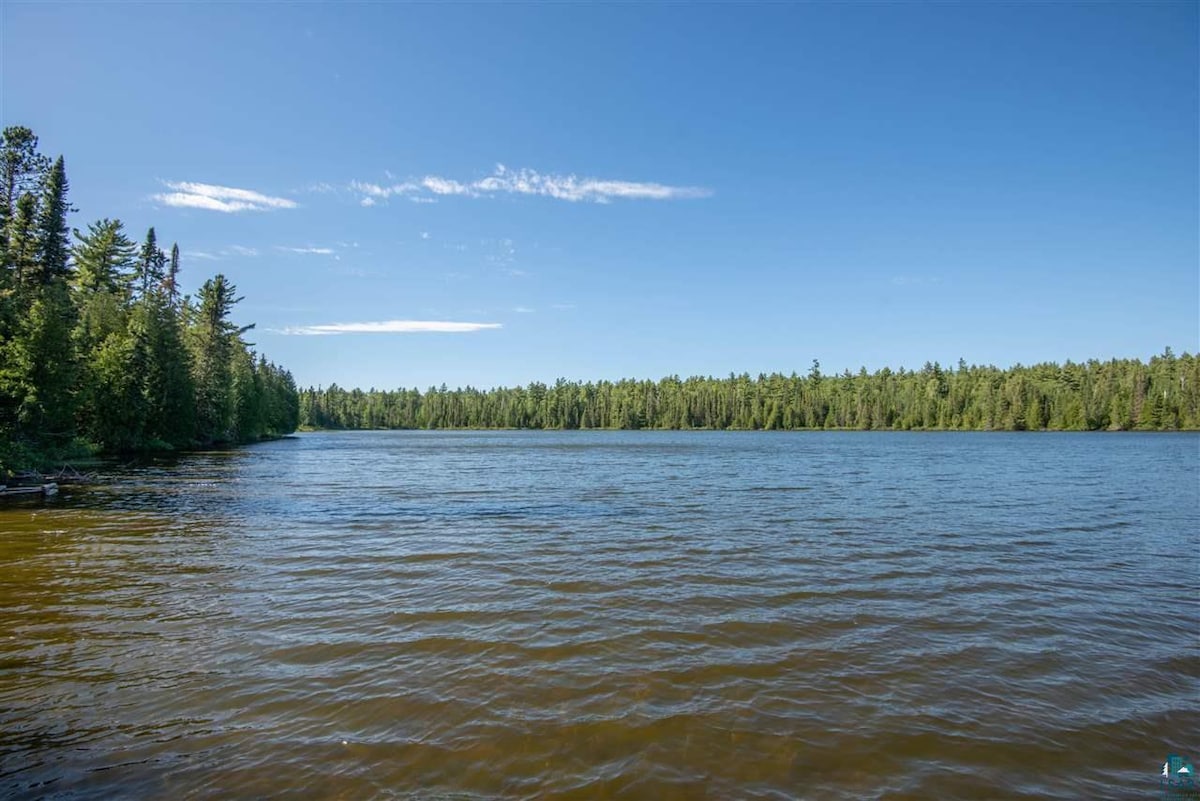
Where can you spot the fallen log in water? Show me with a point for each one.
(23, 492)
(65, 475)
(70, 475)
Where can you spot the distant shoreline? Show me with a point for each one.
(466, 429)
(1161, 394)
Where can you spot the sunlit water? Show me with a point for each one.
(594, 615)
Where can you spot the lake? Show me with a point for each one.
(581, 615)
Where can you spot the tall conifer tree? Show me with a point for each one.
(171, 281)
(213, 338)
(21, 171)
(53, 233)
(149, 270)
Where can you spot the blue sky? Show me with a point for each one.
(638, 191)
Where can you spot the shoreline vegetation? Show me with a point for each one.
(99, 351)
(1162, 394)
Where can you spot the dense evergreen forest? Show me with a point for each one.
(1114, 395)
(99, 352)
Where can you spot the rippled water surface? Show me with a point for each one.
(610, 615)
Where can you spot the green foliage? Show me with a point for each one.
(171, 279)
(53, 233)
(149, 270)
(112, 413)
(213, 342)
(104, 257)
(21, 171)
(21, 242)
(165, 384)
(43, 367)
(85, 359)
(1161, 395)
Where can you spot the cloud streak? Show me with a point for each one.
(226, 199)
(505, 181)
(575, 189)
(223, 253)
(390, 327)
(376, 192)
(307, 251)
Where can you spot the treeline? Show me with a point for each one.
(1163, 394)
(98, 349)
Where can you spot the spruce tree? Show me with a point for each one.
(148, 273)
(171, 281)
(53, 234)
(213, 340)
(23, 242)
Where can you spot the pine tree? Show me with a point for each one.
(171, 281)
(104, 257)
(21, 170)
(53, 234)
(148, 272)
(22, 245)
(212, 342)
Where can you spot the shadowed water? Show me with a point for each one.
(594, 615)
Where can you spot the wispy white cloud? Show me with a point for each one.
(381, 192)
(444, 186)
(200, 254)
(390, 327)
(523, 310)
(526, 182)
(223, 253)
(574, 188)
(227, 199)
(307, 251)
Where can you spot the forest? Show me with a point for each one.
(1128, 394)
(99, 351)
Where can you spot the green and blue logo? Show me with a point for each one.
(1178, 782)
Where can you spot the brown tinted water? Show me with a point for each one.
(610, 615)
